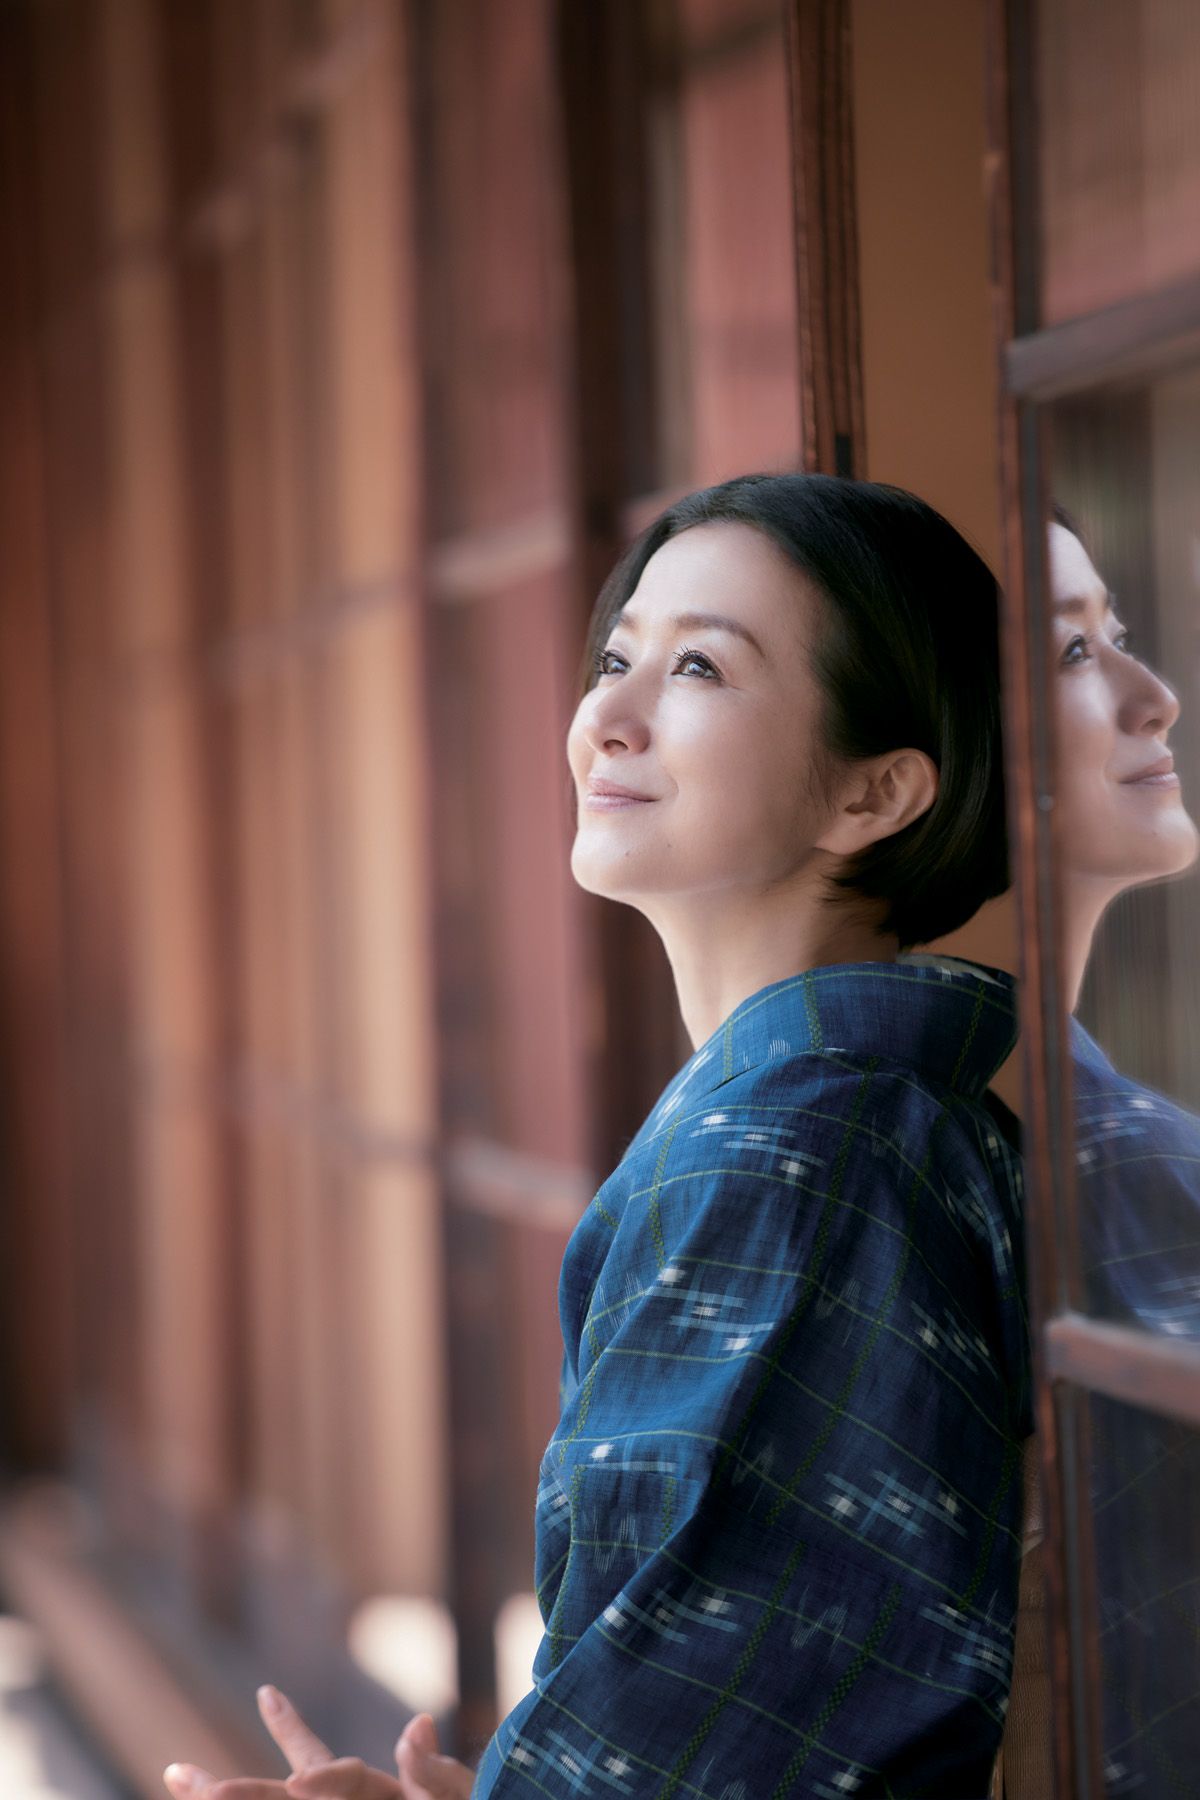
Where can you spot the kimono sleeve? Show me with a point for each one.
(778, 1526)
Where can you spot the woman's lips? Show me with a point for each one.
(1160, 774)
(610, 796)
(614, 802)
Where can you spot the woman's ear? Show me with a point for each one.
(879, 798)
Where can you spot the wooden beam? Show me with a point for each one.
(1123, 1363)
(1133, 338)
(486, 1177)
(114, 1673)
(833, 432)
(1053, 1260)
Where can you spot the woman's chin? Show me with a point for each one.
(1180, 844)
(597, 872)
(1190, 849)
(1168, 854)
(630, 878)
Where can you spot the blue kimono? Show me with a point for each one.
(779, 1523)
(1138, 1159)
(1138, 1162)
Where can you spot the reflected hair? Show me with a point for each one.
(1060, 516)
(906, 656)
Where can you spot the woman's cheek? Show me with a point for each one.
(577, 753)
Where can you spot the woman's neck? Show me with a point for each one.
(991, 937)
(723, 950)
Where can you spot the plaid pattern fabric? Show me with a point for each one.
(1138, 1158)
(778, 1525)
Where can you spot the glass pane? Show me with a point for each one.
(719, 240)
(1124, 464)
(1146, 1528)
(1120, 149)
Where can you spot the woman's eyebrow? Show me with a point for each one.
(1075, 605)
(699, 621)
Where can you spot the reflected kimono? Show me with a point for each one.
(1138, 1185)
(778, 1525)
(1138, 1180)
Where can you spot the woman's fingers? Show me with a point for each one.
(421, 1734)
(424, 1774)
(185, 1781)
(246, 1787)
(302, 1747)
(349, 1778)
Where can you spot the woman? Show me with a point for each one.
(1120, 826)
(778, 1523)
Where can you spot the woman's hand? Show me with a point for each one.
(425, 1774)
(422, 1772)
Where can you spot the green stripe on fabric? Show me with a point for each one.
(654, 1211)
(554, 1630)
(820, 1243)
(840, 1692)
(599, 1208)
(972, 1028)
(744, 1664)
(893, 975)
(543, 1587)
(585, 1402)
(880, 1321)
(994, 1715)
(821, 1399)
(840, 1300)
(831, 1524)
(895, 1153)
(811, 1012)
(668, 1511)
(630, 1756)
(1012, 1461)
(798, 1187)
(710, 1687)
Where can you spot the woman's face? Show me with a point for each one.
(1121, 813)
(696, 755)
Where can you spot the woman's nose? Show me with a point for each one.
(1148, 705)
(615, 721)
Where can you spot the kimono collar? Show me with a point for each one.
(950, 1021)
(1086, 1052)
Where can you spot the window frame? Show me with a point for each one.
(1075, 1356)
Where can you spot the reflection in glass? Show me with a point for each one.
(1146, 1475)
(1125, 467)
(1120, 149)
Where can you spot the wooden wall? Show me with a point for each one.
(345, 343)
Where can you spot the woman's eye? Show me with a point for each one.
(1077, 650)
(607, 662)
(1124, 642)
(693, 663)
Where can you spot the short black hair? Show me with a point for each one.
(908, 657)
(1060, 516)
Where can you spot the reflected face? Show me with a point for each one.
(1121, 813)
(697, 755)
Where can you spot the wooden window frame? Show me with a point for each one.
(1075, 1356)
